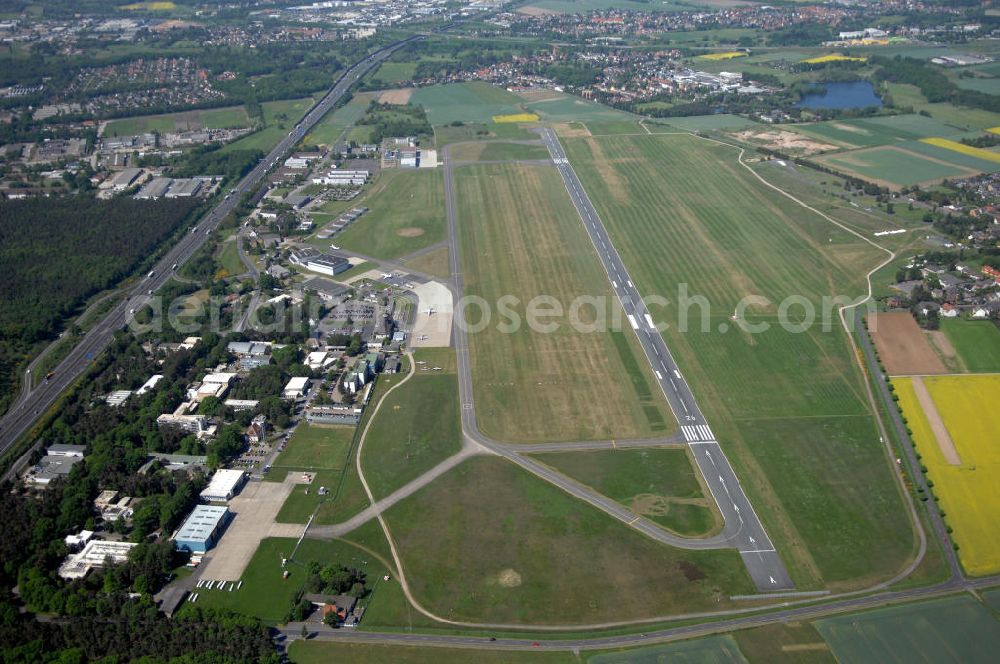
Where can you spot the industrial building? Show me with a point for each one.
(296, 387)
(329, 265)
(202, 529)
(94, 554)
(224, 485)
(57, 462)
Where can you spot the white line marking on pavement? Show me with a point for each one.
(631, 320)
(757, 551)
(649, 322)
(659, 376)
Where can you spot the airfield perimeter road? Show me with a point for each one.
(22, 415)
(743, 529)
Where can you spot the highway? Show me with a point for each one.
(743, 529)
(23, 414)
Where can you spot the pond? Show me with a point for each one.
(851, 94)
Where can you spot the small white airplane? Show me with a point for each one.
(333, 246)
(387, 275)
(429, 311)
(421, 362)
(423, 337)
(436, 369)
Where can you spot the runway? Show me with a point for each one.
(743, 529)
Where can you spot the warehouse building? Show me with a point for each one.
(225, 484)
(296, 387)
(202, 529)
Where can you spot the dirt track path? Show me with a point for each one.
(944, 441)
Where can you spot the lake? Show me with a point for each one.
(852, 94)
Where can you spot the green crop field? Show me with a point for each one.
(709, 650)
(953, 629)
(990, 86)
(660, 484)
(962, 118)
(395, 72)
(322, 652)
(315, 447)
(784, 643)
(977, 343)
(280, 118)
(465, 102)
(333, 124)
(268, 596)
(489, 542)
(789, 408)
(521, 237)
(214, 118)
(480, 131)
(600, 127)
(893, 165)
(407, 214)
(992, 598)
(877, 131)
(417, 427)
(568, 108)
(706, 123)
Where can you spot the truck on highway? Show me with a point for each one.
(151, 273)
(174, 266)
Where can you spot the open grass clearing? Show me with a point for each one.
(436, 262)
(406, 214)
(521, 237)
(322, 652)
(214, 118)
(707, 123)
(952, 629)
(228, 259)
(784, 643)
(489, 542)
(569, 108)
(498, 152)
(479, 131)
(967, 119)
(895, 166)
(660, 484)
(685, 215)
(315, 447)
(416, 428)
(333, 124)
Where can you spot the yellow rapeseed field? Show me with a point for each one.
(728, 55)
(833, 57)
(955, 146)
(968, 492)
(150, 6)
(516, 117)
(994, 130)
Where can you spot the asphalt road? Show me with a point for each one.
(743, 529)
(26, 412)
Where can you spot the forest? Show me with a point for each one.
(57, 252)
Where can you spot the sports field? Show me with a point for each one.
(977, 343)
(489, 542)
(953, 629)
(213, 118)
(416, 428)
(406, 214)
(789, 407)
(660, 484)
(521, 237)
(465, 102)
(965, 406)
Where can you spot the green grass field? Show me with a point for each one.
(708, 650)
(465, 102)
(498, 152)
(658, 483)
(489, 542)
(479, 131)
(417, 427)
(707, 123)
(436, 262)
(877, 131)
(395, 72)
(969, 119)
(784, 643)
(213, 118)
(265, 594)
(280, 118)
(569, 108)
(789, 408)
(953, 629)
(977, 343)
(316, 447)
(228, 258)
(521, 237)
(407, 214)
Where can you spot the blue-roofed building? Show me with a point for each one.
(202, 529)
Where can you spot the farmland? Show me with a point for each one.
(903, 347)
(416, 428)
(407, 214)
(660, 484)
(953, 629)
(279, 118)
(520, 236)
(894, 166)
(322, 652)
(529, 553)
(967, 492)
(709, 649)
(977, 343)
(215, 118)
(465, 102)
(682, 212)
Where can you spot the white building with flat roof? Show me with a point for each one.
(296, 387)
(225, 484)
(94, 554)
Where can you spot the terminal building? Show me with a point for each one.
(202, 529)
